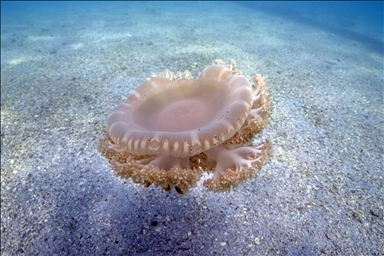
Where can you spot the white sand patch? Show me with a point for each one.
(77, 46)
(21, 59)
(99, 36)
(42, 38)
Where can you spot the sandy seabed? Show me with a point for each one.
(61, 74)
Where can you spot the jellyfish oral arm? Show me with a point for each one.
(236, 163)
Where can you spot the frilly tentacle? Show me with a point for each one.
(258, 117)
(157, 170)
(235, 164)
(166, 172)
(110, 150)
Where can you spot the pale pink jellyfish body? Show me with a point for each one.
(173, 127)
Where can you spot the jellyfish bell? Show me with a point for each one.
(183, 117)
(172, 126)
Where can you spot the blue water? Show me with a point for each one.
(349, 14)
(339, 17)
(360, 21)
